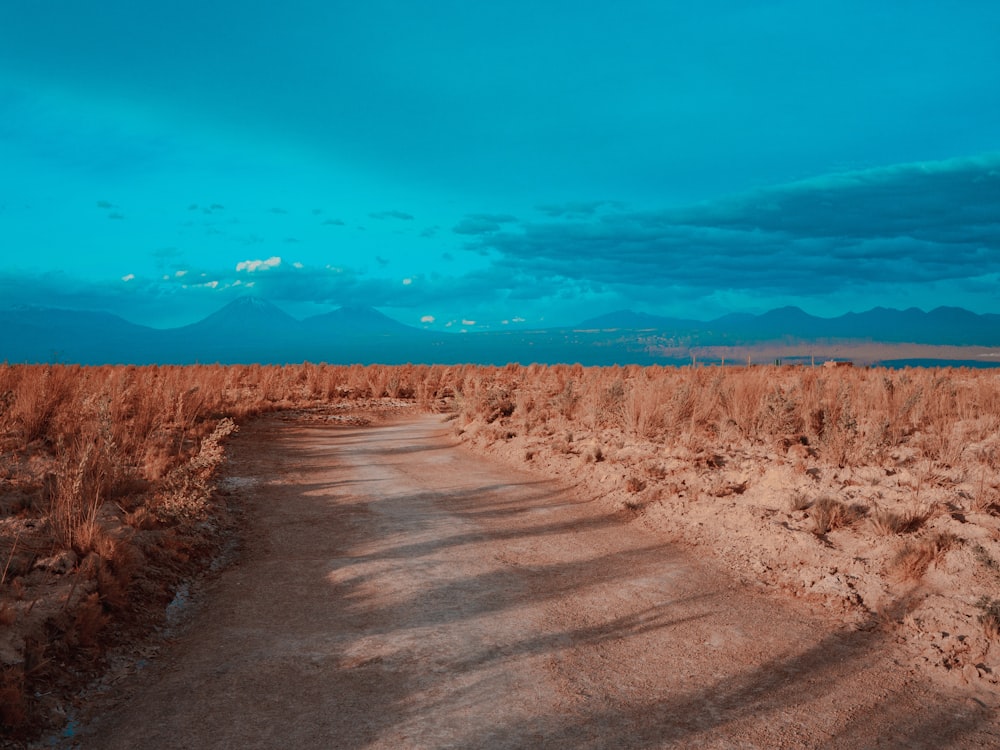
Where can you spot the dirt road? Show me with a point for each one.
(397, 591)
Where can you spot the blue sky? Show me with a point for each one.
(467, 165)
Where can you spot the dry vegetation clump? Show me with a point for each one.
(989, 617)
(828, 513)
(889, 522)
(916, 556)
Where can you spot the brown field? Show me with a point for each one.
(872, 494)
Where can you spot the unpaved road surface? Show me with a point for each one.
(396, 591)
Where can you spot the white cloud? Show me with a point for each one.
(180, 274)
(518, 320)
(128, 277)
(427, 319)
(296, 264)
(257, 265)
(407, 282)
(468, 322)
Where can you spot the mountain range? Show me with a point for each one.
(943, 326)
(252, 330)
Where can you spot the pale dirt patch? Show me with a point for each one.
(397, 591)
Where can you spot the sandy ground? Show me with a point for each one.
(398, 591)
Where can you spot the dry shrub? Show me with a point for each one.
(887, 522)
(634, 484)
(916, 556)
(120, 563)
(645, 412)
(80, 489)
(89, 622)
(799, 501)
(828, 513)
(567, 400)
(37, 399)
(985, 499)
(744, 401)
(990, 617)
(498, 403)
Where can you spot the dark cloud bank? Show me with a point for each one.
(902, 225)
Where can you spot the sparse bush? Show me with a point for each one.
(887, 522)
(828, 513)
(634, 484)
(799, 501)
(915, 556)
(989, 618)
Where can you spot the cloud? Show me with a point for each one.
(128, 277)
(427, 319)
(482, 223)
(407, 281)
(258, 265)
(909, 235)
(906, 225)
(576, 209)
(401, 215)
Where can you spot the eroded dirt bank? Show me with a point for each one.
(398, 591)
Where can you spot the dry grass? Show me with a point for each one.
(848, 417)
(799, 501)
(916, 556)
(890, 522)
(828, 513)
(989, 617)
